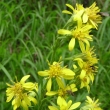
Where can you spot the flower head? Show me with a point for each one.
(91, 104)
(80, 33)
(63, 105)
(20, 92)
(88, 54)
(56, 71)
(91, 15)
(87, 72)
(63, 90)
(85, 15)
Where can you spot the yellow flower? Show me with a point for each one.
(77, 12)
(91, 104)
(21, 93)
(56, 71)
(88, 54)
(63, 90)
(80, 33)
(63, 105)
(85, 15)
(91, 15)
(87, 72)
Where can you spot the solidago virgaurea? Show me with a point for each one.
(63, 105)
(91, 104)
(81, 33)
(89, 15)
(20, 93)
(56, 71)
(63, 90)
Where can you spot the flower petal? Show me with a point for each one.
(70, 6)
(43, 73)
(75, 105)
(24, 79)
(64, 32)
(49, 84)
(60, 83)
(83, 73)
(52, 108)
(50, 93)
(66, 11)
(82, 47)
(67, 73)
(33, 100)
(85, 18)
(71, 44)
(10, 96)
(24, 105)
(89, 99)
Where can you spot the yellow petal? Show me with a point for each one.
(10, 97)
(60, 83)
(85, 18)
(24, 105)
(71, 44)
(78, 59)
(33, 100)
(75, 105)
(86, 41)
(82, 47)
(73, 87)
(61, 101)
(64, 32)
(50, 93)
(66, 11)
(93, 24)
(24, 78)
(89, 99)
(74, 66)
(52, 108)
(67, 73)
(83, 73)
(43, 73)
(49, 84)
(69, 104)
(29, 85)
(70, 6)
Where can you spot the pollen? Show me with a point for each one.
(18, 90)
(55, 69)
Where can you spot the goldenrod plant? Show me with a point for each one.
(58, 82)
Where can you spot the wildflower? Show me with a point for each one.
(88, 54)
(63, 105)
(87, 72)
(63, 90)
(91, 15)
(91, 104)
(77, 12)
(85, 15)
(81, 33)
(21, 93)
(56, 71)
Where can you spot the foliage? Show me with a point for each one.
(28, 32)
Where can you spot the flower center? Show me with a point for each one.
(55, 69)
(18, 90)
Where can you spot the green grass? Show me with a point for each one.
(28, 32)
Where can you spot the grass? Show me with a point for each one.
(28, 32)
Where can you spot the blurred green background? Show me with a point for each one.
(28, 30)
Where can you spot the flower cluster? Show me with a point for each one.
(22, 93)
(60, 81)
